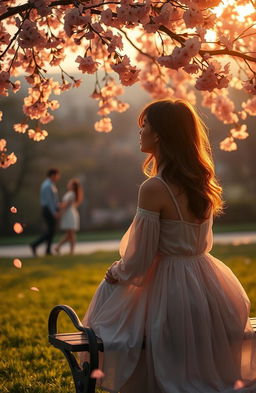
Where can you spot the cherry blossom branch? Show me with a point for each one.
(24, 7)
(213, 52)
(135, 46)
(241, 34)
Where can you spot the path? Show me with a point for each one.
(112, 245)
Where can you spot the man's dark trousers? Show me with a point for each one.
(48, 235)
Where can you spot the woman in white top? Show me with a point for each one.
(173, 318)
(70, 220)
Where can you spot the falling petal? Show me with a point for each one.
(17, 263)
(34, 289)
(13, 209)
(97, 373)
(18, 228)
(20, 295)
(238, 384)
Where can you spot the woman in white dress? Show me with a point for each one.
(173, 318)
(70, 220)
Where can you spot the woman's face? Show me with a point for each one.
(148, 138)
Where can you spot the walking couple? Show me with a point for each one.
(53, 211)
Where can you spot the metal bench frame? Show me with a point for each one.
(81, 341)
(84, 340)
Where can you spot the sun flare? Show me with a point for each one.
(242, 10)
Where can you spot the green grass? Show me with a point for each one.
(28, 364)
(117, 234)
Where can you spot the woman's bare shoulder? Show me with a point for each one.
(150, 194)
(153, 184)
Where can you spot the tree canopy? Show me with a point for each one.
(172, 48)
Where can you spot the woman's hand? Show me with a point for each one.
(109, 277)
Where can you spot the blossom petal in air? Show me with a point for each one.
(18, 228)
(13, 209)
(238, 384)
(17, 263)
(35, 289)
(97, 373)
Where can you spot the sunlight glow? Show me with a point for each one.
(242, 10)
(210, 36)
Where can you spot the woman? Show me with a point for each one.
(70, 221)
(167, 294)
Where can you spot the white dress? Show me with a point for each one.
(70, 218)
(188, 307)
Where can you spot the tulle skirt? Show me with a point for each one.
(192, 314)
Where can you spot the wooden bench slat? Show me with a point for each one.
(75, 342)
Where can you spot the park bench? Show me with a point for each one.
(83, 340)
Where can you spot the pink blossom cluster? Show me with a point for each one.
(2, 145)
(37, 135)
(250, 87)
(103, 125)
(4, 83)
(30, 36)
(224, 109)
(133, 13)
(115, 41)
(6, 159)
(239, 132)
(210, 79)
(193, 17)
(74, 18)
(228, 144)
(181, 56)
(128, 74)
(168, 14)
(37, 103)
(42, 6)
(87, 64)
(250, 106)
(108, 101)
(108, 19)
(4, 36)
(20, 127)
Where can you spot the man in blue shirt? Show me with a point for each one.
(50, 206)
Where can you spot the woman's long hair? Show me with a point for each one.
(78, 190)
(185, 154)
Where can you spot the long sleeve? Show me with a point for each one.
(138, 248)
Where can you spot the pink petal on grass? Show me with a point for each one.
(238, 384)
(13, 209)
(17, 263)
(97, 373)
(18, 228)
(34, 289)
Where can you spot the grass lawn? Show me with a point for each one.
(28, 364)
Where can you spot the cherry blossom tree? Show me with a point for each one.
(171, 47)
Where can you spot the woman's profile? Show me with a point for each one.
(171, 316)
(70, 220)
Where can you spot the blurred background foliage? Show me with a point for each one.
(108, 165)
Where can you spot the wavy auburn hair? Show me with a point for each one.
(185, 154)
(78, 190)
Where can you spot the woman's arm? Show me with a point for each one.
(148, 200)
